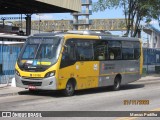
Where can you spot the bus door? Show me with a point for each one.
(87, 69)
(78, 63)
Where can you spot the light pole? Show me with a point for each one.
(62, 25)
(39, 22)
(3, 19)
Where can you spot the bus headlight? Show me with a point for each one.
(16, 71)
(50, 74)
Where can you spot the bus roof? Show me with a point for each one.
(88, 34)
(10, 43)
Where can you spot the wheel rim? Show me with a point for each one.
(116, 84)
(69, 88)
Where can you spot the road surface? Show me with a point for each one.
(103, 99)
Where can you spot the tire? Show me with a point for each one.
(70, 88)
(117, 84)
(32, 91)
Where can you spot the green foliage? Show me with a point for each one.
(134, 10)
(102, 5)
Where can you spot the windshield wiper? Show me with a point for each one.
(37, 52)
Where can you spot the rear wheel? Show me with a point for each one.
(117, 84)
(70, 88)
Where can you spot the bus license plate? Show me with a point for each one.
(31, 87)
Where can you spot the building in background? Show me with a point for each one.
(153, 37)
(86, 12)
(151, 49)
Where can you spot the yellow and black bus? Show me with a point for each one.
(78, 60)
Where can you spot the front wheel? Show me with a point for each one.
(69, 90)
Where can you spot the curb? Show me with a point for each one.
(9, 94)
(149, 79)
(3, 85)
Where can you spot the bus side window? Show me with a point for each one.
(68, 56)
(114, 49)
(111, 55)
(127, 50)
(84, 50)
(137, 50)
(100, 50)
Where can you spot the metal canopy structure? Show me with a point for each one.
(29, 7)
(39, 6)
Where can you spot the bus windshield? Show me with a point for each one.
(39, 53)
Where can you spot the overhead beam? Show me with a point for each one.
(39, 6)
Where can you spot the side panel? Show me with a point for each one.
(129, 70)
(85, 73)
(75, 63)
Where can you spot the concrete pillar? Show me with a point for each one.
(87, 22)
(75, 22)
(152, 39)
(87, 18)
(28, 24)
(158, 41)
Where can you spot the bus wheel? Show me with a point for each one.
(70, 88)
(117, 84)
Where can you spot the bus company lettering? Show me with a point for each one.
(108, 66)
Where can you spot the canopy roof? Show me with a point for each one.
(39, 6)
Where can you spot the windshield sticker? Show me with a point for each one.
(43, 63)
(95, 67)
(77, 67)
(29, 61)
(107, 66)
(23, 61)
(35, 62)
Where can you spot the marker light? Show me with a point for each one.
(16, 71)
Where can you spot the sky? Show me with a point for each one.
(107, 14)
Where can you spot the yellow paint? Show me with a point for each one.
(83, 72)
(68, 36)
(38, 74)
(23, 61)
(85, 76)
(43, 63)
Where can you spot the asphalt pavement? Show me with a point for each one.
(9, 90)
(51, 103)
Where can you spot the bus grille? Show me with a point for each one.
(32, 83)
(32, 78)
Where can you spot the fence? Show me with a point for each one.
(151, 59)
(8, 57)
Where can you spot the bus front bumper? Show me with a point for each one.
(42, 84)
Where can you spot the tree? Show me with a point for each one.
(135, 12)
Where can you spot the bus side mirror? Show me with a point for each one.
(65, 50)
